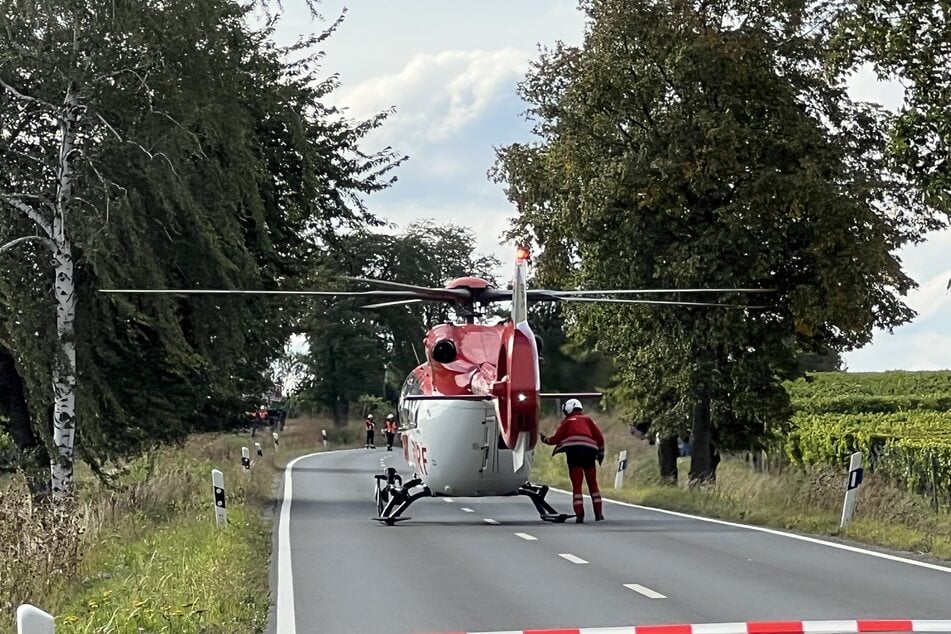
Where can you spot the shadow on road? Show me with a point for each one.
(624, 525)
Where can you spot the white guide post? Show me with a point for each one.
(323, 435)
(32, 620)
(221, 509)
(852, 488)
(621, 468)
(257, 448)
(274, 436)
(245, 458)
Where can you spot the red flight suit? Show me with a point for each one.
(582, 442)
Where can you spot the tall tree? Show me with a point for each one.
(699, 144)
(161, 144)
(43, 118)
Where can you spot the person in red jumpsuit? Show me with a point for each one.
(582, 442)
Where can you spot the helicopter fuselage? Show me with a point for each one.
(453, 446)
(450, 416)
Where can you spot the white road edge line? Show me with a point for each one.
(647, 592)
(466, 509)
(489, 520)
(285, 617)
(527, 537)
(771, 531)
(572, 558)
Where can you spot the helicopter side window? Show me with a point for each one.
(410, 386)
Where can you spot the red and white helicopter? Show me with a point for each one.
(469, 414)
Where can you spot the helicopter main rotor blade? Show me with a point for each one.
(647, 291)
(200, 291)
(609, 300)
(402, 302)
(448, 294)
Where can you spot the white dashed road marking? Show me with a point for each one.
(647, 592)
(489, 520)
(572, 558)
(467, 509)
(527, 537)
(448, 500)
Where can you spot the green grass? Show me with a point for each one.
(801, 500)
(185, 577)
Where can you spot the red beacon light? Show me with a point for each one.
(522, 254)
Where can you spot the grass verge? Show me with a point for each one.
(808, 501)
(186, 577)
(142, 553)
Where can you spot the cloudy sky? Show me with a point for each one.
(450, 70)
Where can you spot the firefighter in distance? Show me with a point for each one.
(390, 431)
(371, 430)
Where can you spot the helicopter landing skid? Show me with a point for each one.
(393, 497)
(536, 493)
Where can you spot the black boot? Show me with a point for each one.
(579, 519)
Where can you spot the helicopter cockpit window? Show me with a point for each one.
(410, 386)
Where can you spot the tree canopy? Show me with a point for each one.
(701, 144)
(204, 156)
(910, 42)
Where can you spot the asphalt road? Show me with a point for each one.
(488, 564)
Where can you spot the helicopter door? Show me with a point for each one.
(490, 448)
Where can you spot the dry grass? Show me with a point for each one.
(40, 548)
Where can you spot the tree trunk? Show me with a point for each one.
(64, 365)
(64, 375)
(759, 461)
(667, 452)
(33, 455)
(341, 412)
(702, 467)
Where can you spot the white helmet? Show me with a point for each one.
(571, 405)
(369, 416)
(389, 417)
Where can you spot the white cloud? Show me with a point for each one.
(932, 297)
(381, 36)
(436, 95)
(919, 351)
(928, 259)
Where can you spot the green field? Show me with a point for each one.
(900, 421)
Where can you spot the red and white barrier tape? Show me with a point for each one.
(756, 627)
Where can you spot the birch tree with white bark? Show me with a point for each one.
(60, 61)
(43, 130)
